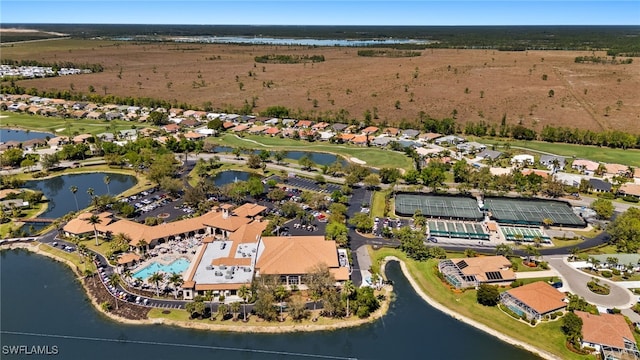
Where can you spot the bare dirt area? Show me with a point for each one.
(477, 84)
(125, 309)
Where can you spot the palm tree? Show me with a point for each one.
(208, 296)
(82, 251)
(88, 272)
(114, 280)
(348, 289)
(107, 180)
(281, 293)
(176, 280)
(156, 278)
(244, 293)
(94, 199)
(223, 310)
(142, 244)
(235, 309)
(504, 250)
(470, 253)
(94, 220)
(74, 190)
(531, 251)
(574, 252)
(537, 241)
(547, 222)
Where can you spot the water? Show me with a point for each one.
(230, 176)
(296, 41)
(21, 135)
(46, 299)
(61, 200)
(179, 266)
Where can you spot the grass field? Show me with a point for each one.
(546, 335)
(373, 156)
(63, 127)
(604, 154)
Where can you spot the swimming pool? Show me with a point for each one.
(178, 266)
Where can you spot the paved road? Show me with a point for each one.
(576, 282)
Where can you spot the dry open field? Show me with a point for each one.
(499, 83)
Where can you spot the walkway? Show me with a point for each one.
(536, 274)
(576, 281)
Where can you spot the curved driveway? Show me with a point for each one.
(576, 281)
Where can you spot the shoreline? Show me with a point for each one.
(504, 337)
(271, 329)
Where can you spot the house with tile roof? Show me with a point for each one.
(534, 301)
(586, 166)
(609, 335)
(630, 189)
(471, 272)
(369, 130)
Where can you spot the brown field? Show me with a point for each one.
(511, 82)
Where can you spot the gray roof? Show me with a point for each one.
(410, 133)
(623, 259)
(548, 159)
(598, 184)
(339, 126)
(382, 141)
(491, 154)
(408, 143)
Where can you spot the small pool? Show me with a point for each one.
(178, 266)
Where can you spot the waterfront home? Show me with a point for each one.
(382, 141)
(471, 272)
(553, 162)
(534, 301)
(609, 335)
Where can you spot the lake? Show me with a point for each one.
(61, 200)
(22, 135)
(295, 41)
(230, 176)
(41, 300)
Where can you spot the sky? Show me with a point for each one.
(323, 12)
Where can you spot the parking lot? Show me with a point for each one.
(379, 224)
(305, 184)
(152, 202)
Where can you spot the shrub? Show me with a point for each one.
(553, 316)
(606, 274)
(630, 198)
(544, 265)
(616, 272)
(533, 321)
(516, 283)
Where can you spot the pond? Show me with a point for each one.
(231, 176)
(62, 201)
(45, 305)
(22, 135)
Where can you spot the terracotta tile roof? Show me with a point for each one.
(346, 137)
(228, 124)
(616, 169)
(369, 130)
(79, 225)
(585, 164)
(171, 127)
(128, 258)
(249, 210)
(340, 274)
(361, 139)
(392, 131)
(630, 189)
(605, 329)
(296, 254)
(541, 173)
(193, 135)
(272, 131)
(5, 192)
(480, 266)
(241, 127)
(320, 125)
(539, 296)
(304, 123)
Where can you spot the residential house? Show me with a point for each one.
(351, 129)
(320, 126)
(522, 159)
(616, 169)
(391, 131)
(130, 134)
(113, 115)
(228, 125)
(410, 133)
(361, 139)
(630, 189)
(586, 166)
(470, 147)
(272, 131)
(58, 141)
(569, 179)
(240, 128)
(534, 301)
(599, 186)
(303, 124)
(428, 137)
(259, 129)
(173, 112)
(106, 136)
(449, 140)
(550, 160)
(489, 155)
(370, 130)
(621, 262)
(338, 127)
(82, 138)
(543, 174)
(194, 136)
(427, 151)
(471, 272)
(95, 115)
(189, 122)
(78, 114)
(170, 128)
(326, 135)
(346, 137)
(382, 141)
(609, 335)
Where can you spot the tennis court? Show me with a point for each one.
(437, 206)
(459, 230)
(512, 233)
(531, 212)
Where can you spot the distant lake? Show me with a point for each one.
(295, 41)
(22, 135)
(230, 176)
(61, 200)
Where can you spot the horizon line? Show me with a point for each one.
(308, 25)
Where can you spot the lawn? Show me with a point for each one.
(63, 127)
(73, 257)
(604, 154)
(377, 204)
(546, 335)
(521, 267)
(560, 243)
(373, 156)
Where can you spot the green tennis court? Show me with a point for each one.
(438, 206)
(531, 212)
(459, 230)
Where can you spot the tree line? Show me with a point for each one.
(392, 53)
(288, 59)
(54, 65)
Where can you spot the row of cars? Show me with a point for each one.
(145, 201)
